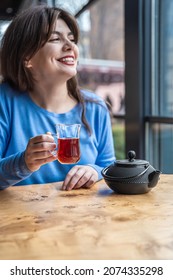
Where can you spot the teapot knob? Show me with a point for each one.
(131, 155)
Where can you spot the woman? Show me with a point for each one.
(39, 57)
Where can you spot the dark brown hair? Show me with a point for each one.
(26, 34)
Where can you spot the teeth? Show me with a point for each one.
(70, 59)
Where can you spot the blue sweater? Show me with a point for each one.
(21, 119)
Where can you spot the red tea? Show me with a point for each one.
(68, 150)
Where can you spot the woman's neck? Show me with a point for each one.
(54, 99)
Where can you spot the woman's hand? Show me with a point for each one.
(38, 152)
(80, 176)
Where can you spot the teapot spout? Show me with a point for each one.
(153, 178)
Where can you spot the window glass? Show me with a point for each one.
(101, 64)
(166, 59)
(72, 6)
(160, 138)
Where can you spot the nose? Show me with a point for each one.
(68, 45)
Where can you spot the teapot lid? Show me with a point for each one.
(131, 161)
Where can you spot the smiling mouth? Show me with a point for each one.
(67, 60)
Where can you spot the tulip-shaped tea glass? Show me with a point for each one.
(68, 146)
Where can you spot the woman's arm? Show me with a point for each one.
(13, 169)
(18, 167)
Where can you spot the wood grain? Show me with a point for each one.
(44, 222)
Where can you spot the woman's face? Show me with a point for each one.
(57, 59)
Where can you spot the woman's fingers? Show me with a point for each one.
(80, 176)
(89, 183)
(38, 151)
(44, 138)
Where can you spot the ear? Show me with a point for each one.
(27, 63)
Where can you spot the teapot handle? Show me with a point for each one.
(127, 178)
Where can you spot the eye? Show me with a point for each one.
(54, 39)
(72, 39)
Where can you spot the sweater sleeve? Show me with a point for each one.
(13, 169)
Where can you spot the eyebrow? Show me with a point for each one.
(60, 33)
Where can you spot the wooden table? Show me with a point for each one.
(43, 222)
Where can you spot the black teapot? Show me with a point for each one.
(131, 176)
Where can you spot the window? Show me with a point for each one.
(160, 128)
(149, 79)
